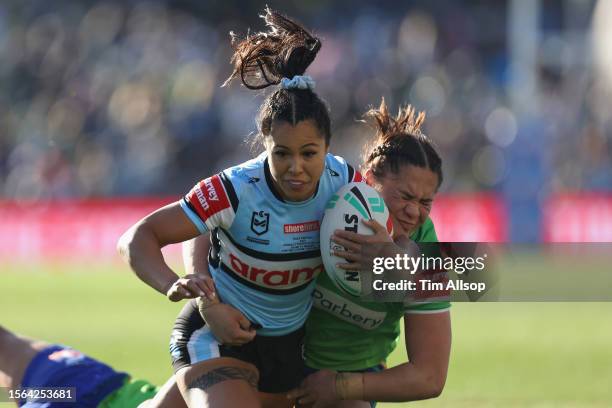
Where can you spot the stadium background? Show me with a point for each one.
(108, 109)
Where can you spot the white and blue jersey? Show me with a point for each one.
(265, 254)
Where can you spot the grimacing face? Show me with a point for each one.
(409, 195)
(296, 155)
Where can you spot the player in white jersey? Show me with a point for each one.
(263, 218)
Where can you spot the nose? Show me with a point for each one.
(296, 166)
(412, 210)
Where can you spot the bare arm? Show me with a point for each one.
(195, 255)
(140, 246)
(428, 343)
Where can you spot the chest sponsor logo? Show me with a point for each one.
(301, 227)
(260, 221)
(346, 310)
(273, 277)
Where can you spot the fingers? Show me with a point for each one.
(350, 236)
(296, 393)
(205, 284)
(240, 337)
(349, 256)
(302, 396)
(354, 266)
(346, 243)
(176, 293)
(209, 287)
(307, 400)
(194, 286)
(377, 227)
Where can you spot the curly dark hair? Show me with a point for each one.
(399, 141)
(263, 59)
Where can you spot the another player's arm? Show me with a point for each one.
(428, 340)
(140, 246)
(428, 343)
(227, 323)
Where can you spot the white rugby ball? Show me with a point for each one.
(345, 211)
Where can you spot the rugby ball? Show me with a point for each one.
(346, 209)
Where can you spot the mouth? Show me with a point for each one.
(296, 185)
(407, 226)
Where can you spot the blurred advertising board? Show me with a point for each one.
(68, 229)
(89, 229)
(578, 217)
(477, 217)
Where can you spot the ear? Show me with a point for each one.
(369, 177)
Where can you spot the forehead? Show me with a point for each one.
(417, 181)
(287, 135)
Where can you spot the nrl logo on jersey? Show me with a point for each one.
(260, 221)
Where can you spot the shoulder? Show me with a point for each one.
(245, 173)
(339, 167)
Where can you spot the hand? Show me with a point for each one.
(361, 249)
(191, 286)
(228, 324)
(317, 390)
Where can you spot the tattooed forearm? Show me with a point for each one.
(220, 374)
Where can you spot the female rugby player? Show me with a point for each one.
(262, 216)
(349, 354)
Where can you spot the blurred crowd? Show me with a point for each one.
(107, 98)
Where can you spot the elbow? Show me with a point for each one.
(123, 246)
(434, 386)
(125, 243)
(429, 385)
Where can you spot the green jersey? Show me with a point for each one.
(348, 334)
(130, 395)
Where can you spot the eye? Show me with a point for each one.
(309, 154)
(281, 154)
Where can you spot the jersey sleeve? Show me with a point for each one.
(211, 203)
(353, 174)
(427, 233)
(336, 165)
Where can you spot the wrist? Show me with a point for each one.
(349, 386)
(166, 286)
(205, 303)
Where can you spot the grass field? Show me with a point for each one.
(504, 354)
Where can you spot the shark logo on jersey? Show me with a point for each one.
(259, 222)
(253, 180)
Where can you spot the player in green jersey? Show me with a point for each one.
(37, 374)
(348, 339)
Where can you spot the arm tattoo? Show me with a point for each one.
(220, 374)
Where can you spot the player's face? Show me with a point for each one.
(296, 155)
(409, 194)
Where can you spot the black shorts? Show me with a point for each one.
(279, 359)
